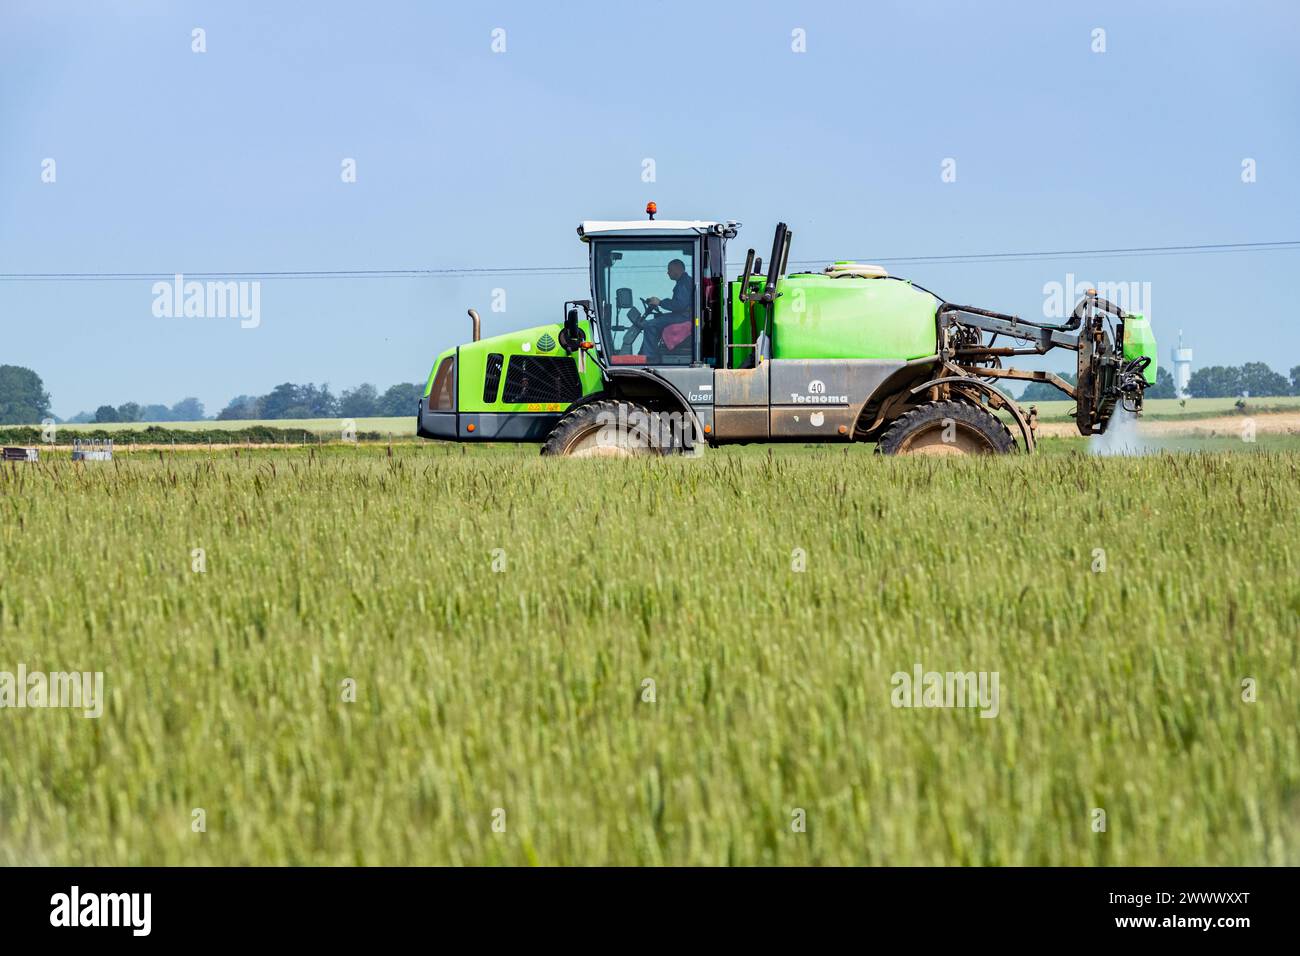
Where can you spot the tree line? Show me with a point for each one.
(1255, 379)
(311, 401)
(25, 401)
(186, 410)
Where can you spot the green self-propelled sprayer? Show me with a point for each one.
(668, 354)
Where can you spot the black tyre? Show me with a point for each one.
(946, 428)
(613, 429)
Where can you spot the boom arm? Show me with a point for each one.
(1095, 331)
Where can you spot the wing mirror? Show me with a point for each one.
(623, 299)
(571, 336)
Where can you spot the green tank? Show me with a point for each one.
(838, 317)
(851, 312)
(1140, 342)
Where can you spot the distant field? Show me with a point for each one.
(403, 425)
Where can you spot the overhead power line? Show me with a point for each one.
(1131, 252)
(1045, 255)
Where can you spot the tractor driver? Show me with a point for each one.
(674, 324)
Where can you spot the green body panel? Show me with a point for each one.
(821, 317)
(471, 368)
(1139, 340)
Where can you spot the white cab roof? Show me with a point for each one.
(665, 227)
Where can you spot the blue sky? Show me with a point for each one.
(229, 161)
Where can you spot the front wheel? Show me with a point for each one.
(946, 428)
(613, 429)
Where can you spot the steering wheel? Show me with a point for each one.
(651, 311)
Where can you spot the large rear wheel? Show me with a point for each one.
(946, 428)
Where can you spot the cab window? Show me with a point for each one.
(442, 397)
(646, 291)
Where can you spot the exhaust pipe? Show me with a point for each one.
(478, 324)
(779, 250)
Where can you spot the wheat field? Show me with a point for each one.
(440, 655)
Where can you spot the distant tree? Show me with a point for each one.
(282, 402)
(299, 401)
(81, 418)
(400, 399)
(1260, 381)
(1043, 392)
(105, 413)
(359, 402)
(1215, 381)
(23, 399)
(128, 412)
(155, 413)
(1164, 386)
(241, 408)
(318, 402)
(187, 410)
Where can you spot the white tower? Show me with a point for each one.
(1182, 367)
